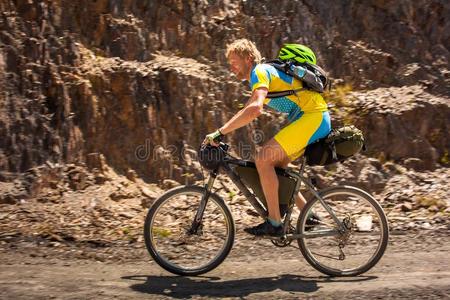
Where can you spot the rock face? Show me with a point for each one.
(141, 82)
(406, 125)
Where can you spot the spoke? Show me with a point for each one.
(359, 243)
(366, 233)
(172, 241)
(326, 256)
(316, 234)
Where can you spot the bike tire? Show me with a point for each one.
(354, 192)
(215, 203)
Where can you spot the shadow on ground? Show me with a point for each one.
(186, 287)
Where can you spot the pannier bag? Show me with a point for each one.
(337, 146)
(249, 175)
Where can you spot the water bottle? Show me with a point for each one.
(307, 77)
(298, 71)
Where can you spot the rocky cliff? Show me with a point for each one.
(135, 85)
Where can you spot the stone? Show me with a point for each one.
(147, 202)
(433, 208)
(169, 183)
(131, 175)
(413, 163)
(406, 207)
(426, 225)
(7, 199)
(148, 192)
(95, 161)
(375, 162)
(127, 215)
(100, 178)
(120, 195)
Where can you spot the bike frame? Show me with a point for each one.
(260, 209)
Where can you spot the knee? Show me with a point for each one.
(261, 159)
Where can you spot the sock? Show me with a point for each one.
(274, 223)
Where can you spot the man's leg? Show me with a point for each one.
(269, 156)
(300, 201)
(296, 136)
(272, 155)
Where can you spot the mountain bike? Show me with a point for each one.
(190, 230)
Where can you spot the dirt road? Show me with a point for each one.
(414, 267)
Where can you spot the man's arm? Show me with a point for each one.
(251, 111)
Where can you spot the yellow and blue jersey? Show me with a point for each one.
(307, 110)
(305, 101)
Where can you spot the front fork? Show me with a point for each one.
(196, 223)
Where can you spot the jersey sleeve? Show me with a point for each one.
(259, 77)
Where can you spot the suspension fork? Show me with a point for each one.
(201, 208)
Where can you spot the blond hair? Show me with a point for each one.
(244, 48)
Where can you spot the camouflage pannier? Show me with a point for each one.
(339, 145)
(249, 175)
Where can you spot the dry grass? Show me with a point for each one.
(339, 95)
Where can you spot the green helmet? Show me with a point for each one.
(298, 53)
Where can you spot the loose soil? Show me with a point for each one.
(415, 266)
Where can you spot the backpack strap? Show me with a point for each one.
(333, 151)
(283, 67)
(271, 95)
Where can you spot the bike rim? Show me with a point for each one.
(353, 251)
(177, 249)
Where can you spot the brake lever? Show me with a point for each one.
(224, 146)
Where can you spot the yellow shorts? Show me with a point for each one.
(305, 130)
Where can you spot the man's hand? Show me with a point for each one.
(212, 137)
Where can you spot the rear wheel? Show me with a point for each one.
(168, 237)
(347, 251)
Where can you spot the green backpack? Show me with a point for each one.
(337, 146)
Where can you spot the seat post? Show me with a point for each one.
(302, 165)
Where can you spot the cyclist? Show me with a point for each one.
(308, 119)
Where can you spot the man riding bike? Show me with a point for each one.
(308, 118)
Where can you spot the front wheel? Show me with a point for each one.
(171, 241)
(351, 248)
